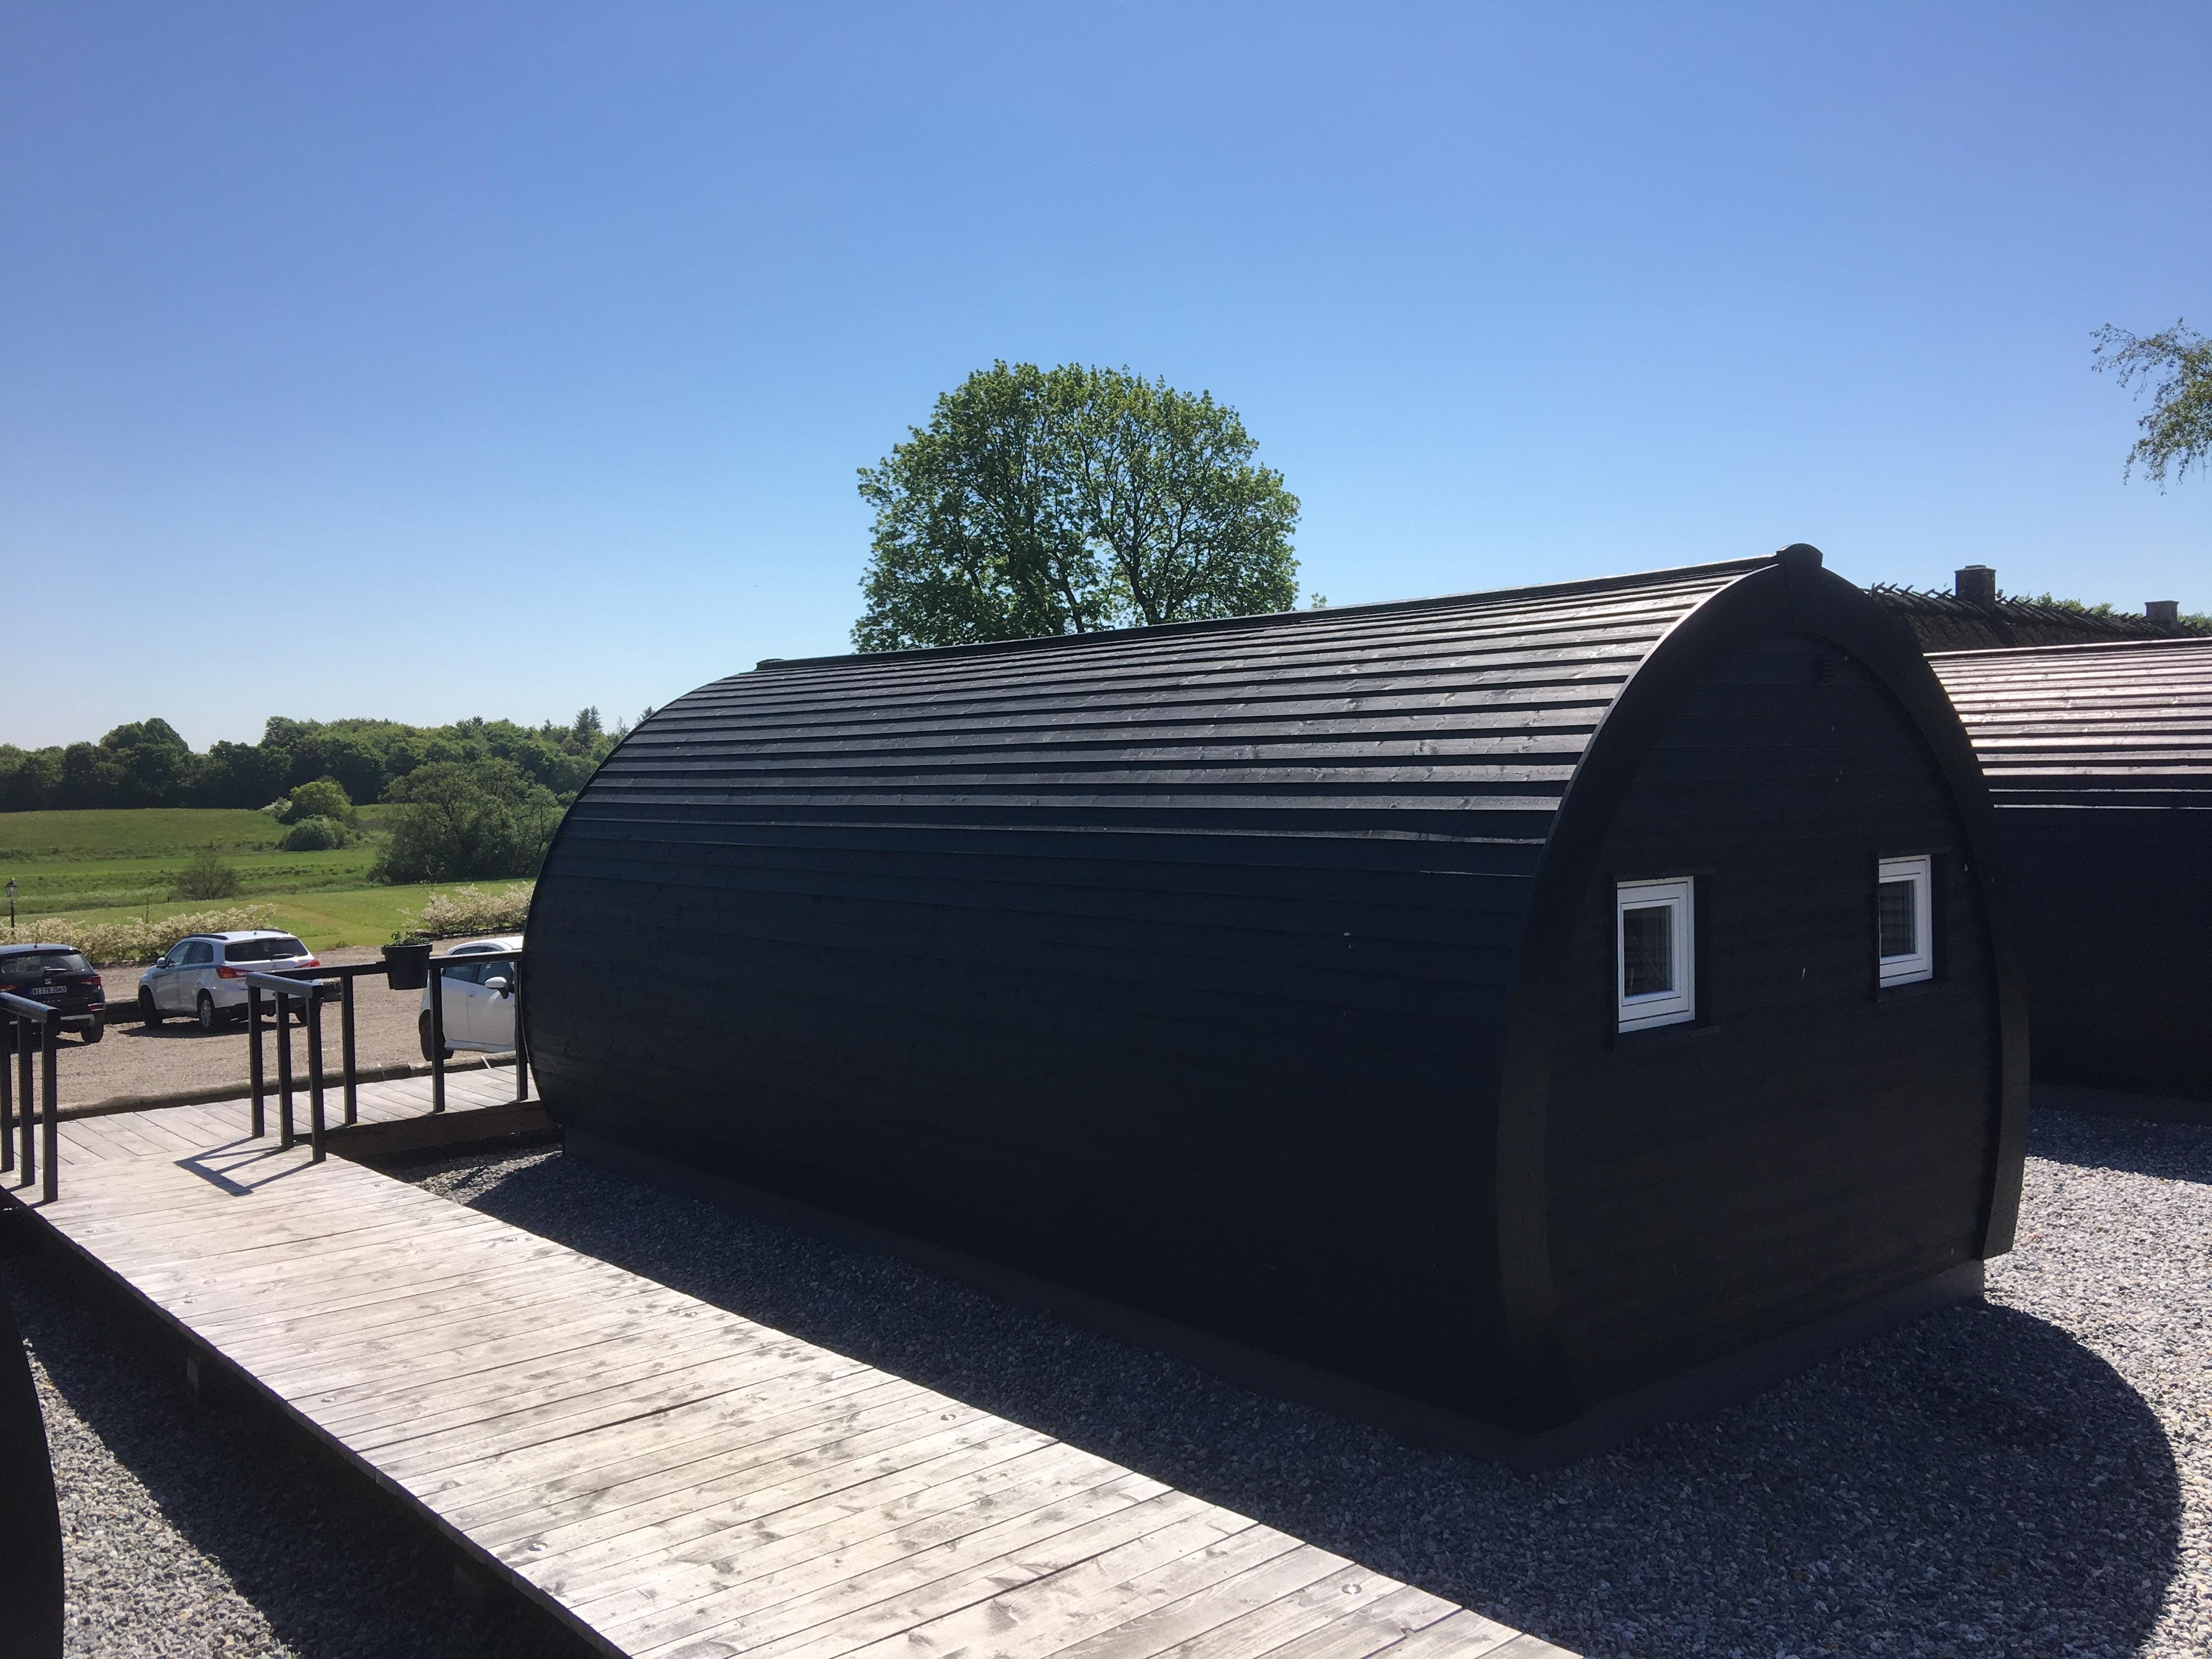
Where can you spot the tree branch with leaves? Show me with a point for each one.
(1060, 501)
(2175, 366)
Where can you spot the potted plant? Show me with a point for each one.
(407, 963)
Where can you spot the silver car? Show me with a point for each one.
(204, 974)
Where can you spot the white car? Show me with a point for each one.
(204, 974)
(479, 1000)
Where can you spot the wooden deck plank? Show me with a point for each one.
(927, 1450)
(684, 1434)
(671, 1478)
(313, 1378)
(815, 1543)
(673, 1485)
(869, 1606)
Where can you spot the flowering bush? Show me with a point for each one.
(142, 939)
(470, 910)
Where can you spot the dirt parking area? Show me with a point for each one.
(176, 1055)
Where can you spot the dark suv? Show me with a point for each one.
(59, 976)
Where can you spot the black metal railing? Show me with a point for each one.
(308, 988)
(23, 1016)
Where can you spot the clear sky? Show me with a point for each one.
(426, 360)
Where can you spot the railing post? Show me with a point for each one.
(26, 1130)
(52, 1138)
(437, 1036)
(522, 1042)
(311, 1009)
(253, 1062)
(345, 1048)
(284, 1137)
(8, 1097)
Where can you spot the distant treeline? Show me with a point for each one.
(146, 763)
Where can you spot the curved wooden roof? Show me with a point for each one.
(2120, 725)
(1456, 717)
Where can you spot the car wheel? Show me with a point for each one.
(148, 1013)
(95, 1029)
(210, 1019)
(422, 1026)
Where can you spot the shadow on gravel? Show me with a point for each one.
(2169, 1152)
(1977, 1481)
(194, 1529)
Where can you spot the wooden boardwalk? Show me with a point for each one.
(394, 1115)
(669, 1477)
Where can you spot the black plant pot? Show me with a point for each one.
(407, 966)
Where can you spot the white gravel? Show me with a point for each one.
(2031, 1477)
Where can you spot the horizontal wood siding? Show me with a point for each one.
(2118, 913)
(1813, 1142)
(2100, 761)
(1169, 966)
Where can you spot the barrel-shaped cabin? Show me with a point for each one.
(2099, 759)
(1507, 1017)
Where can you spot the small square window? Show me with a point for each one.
(1905, 921)
(1655, 979)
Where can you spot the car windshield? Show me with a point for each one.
(263, 950)
(37, 965)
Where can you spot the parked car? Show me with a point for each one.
(478, 999)
(59, 976)
(204, 974)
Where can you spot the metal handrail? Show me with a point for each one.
(20, 1013)
(309, 994)
(309, 986)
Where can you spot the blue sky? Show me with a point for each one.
(431, 361)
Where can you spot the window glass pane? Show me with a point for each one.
(199, 954)
(1900, 934)
(37, 965)
(1647, 951)
(467, 973)
(263, 950)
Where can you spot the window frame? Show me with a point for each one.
(1677, 1006)
(1919, 965)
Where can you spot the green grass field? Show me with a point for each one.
(152, 832)
(96, 884)
(75, 866)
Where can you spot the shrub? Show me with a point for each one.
(458, 821)
(316, 834)
(206, 876)
(325, 798)
(142, 939)
(449, 916)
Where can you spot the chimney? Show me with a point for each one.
(1978, 585)
(2164, 611)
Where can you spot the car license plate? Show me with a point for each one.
(47, 991)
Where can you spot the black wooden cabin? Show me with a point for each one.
(1508, 1015)
(2099, 761)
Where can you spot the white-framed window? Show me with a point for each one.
(1905, 919)
(1655, 958)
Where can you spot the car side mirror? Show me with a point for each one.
(499, 983)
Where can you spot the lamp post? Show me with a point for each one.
(11, 906)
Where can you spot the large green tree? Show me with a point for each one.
(460, 821)
(1065, 500)
(2176, 365)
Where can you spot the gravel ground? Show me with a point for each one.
(134, 1060)
(2031, 1477)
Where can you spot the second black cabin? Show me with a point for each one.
(1503, 1016)
(2099, 759)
